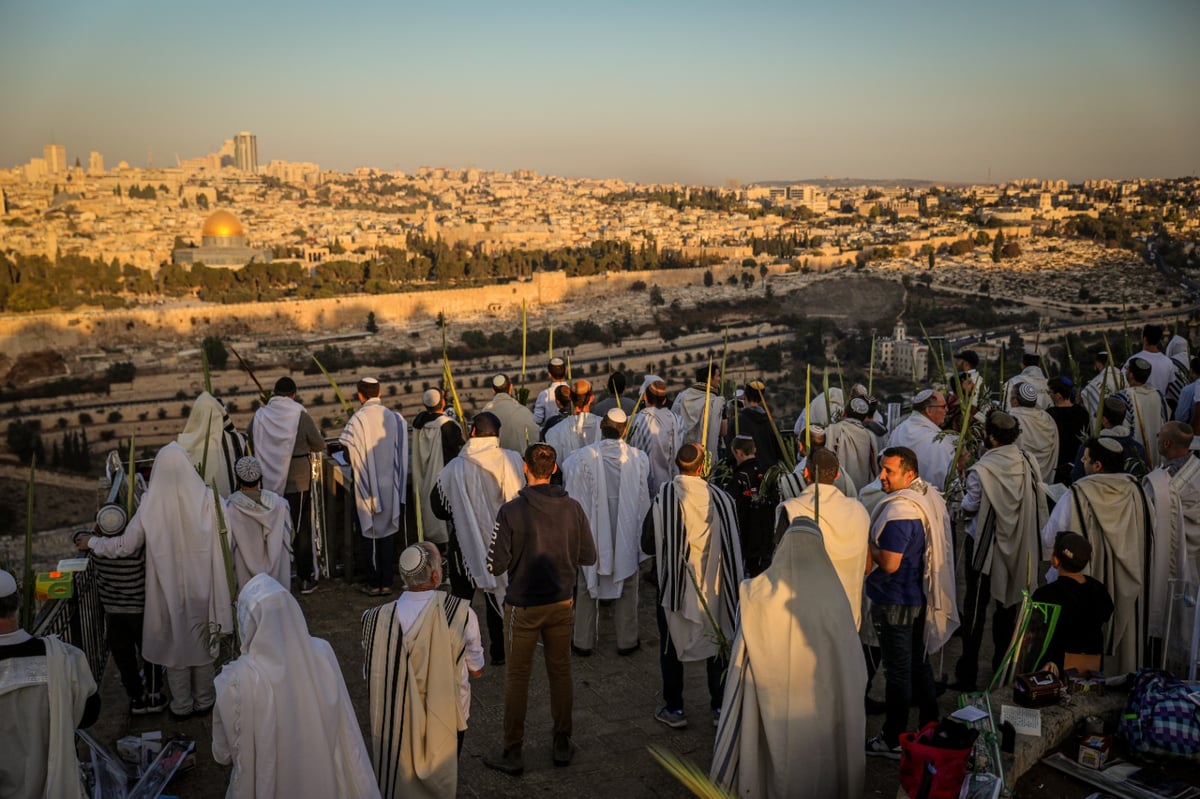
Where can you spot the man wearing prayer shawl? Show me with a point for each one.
(658, 433)
(913, 605)
(419, 654)
(581, 428)
(844, 524)
(376, 441)
(468, 493)
(212, 443)
(517, 428)
(1162, 368)
(1107, 381)
(283, 717)
(260, 527)
(284, 437)
(437, 440)
(921, 431)
(187, 589)
(544, 407)
(689, 407)
(610, 479)
(1031, 373)
(1005, 503)
(792, 722)
(692, 529)
(1039, 433)
(1173, 490)
(1109, 509)
(46, 692)
(825, 409)
(1146, 409)
(853, 444)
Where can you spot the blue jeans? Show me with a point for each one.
(901, 631)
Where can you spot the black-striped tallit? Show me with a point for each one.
(413, 688)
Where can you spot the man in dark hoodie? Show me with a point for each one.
(542, 538)
(754, 422)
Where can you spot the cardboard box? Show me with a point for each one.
(1095, 751)
(1082, 675)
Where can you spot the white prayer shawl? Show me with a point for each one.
(376, 440)
(63, 674)
(697, 543)
(658, 433)
(933, 446)
(545, 407)
(1011, 514)
(260, 536)
(1039, 437)
(412, 677)
(845, 527)
(275, 426)
(575, 432)
(689, 407)
(1146, 413)
(1175, 554)
(1110, 511)
(791, 723)
(427, 464)
(187, 589)
(588, 476)
(474, 485)
(1108, 381)
(517, 427)
(854, 446)
(871, 495)
(283, 715)
(792, 484)
(823, 410)
(924, 502)
(1034, 376)
(209, 433)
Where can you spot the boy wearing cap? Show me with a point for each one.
(1085, 602)
(260, 527)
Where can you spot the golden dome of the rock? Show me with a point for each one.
(222, 225)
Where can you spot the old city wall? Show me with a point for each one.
(90, 329)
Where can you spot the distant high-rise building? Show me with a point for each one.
(245, 152)
(95, 163)
(55, 156)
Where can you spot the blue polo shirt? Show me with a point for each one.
(906, 585)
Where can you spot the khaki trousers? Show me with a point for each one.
(523, 627)
(625, 619)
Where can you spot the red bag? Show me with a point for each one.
(947, 768)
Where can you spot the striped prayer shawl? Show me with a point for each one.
(675, 553)
(388, 672)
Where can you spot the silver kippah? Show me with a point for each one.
(1027, 393)
(248, 469)
(859, 405)
(1110, 444)
(413, 560)
(8, 584)
(922, 396)
(616, 416)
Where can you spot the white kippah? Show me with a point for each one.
(816, 429)
(616, 416)
(556, 361)
(8, 584)
(413, 559)
(247, 469)
(431, 398)
(500, 381)
(859, 405)
(371, 380)
(922, 396)
(1027, 392)
(1110, 444)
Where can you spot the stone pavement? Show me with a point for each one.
(615, 700)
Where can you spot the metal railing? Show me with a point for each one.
(78, 620)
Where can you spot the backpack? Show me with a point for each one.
(1159, 717)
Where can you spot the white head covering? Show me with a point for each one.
(431, 398)
(287, 682)
(8, 584)
(646, 381)
(616, 416)
(248, 469)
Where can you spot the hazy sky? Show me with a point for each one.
(691, 91)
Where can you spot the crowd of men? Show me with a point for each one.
(791, 585)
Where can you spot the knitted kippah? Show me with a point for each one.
(248, 469)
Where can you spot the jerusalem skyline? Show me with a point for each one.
(669, 93)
